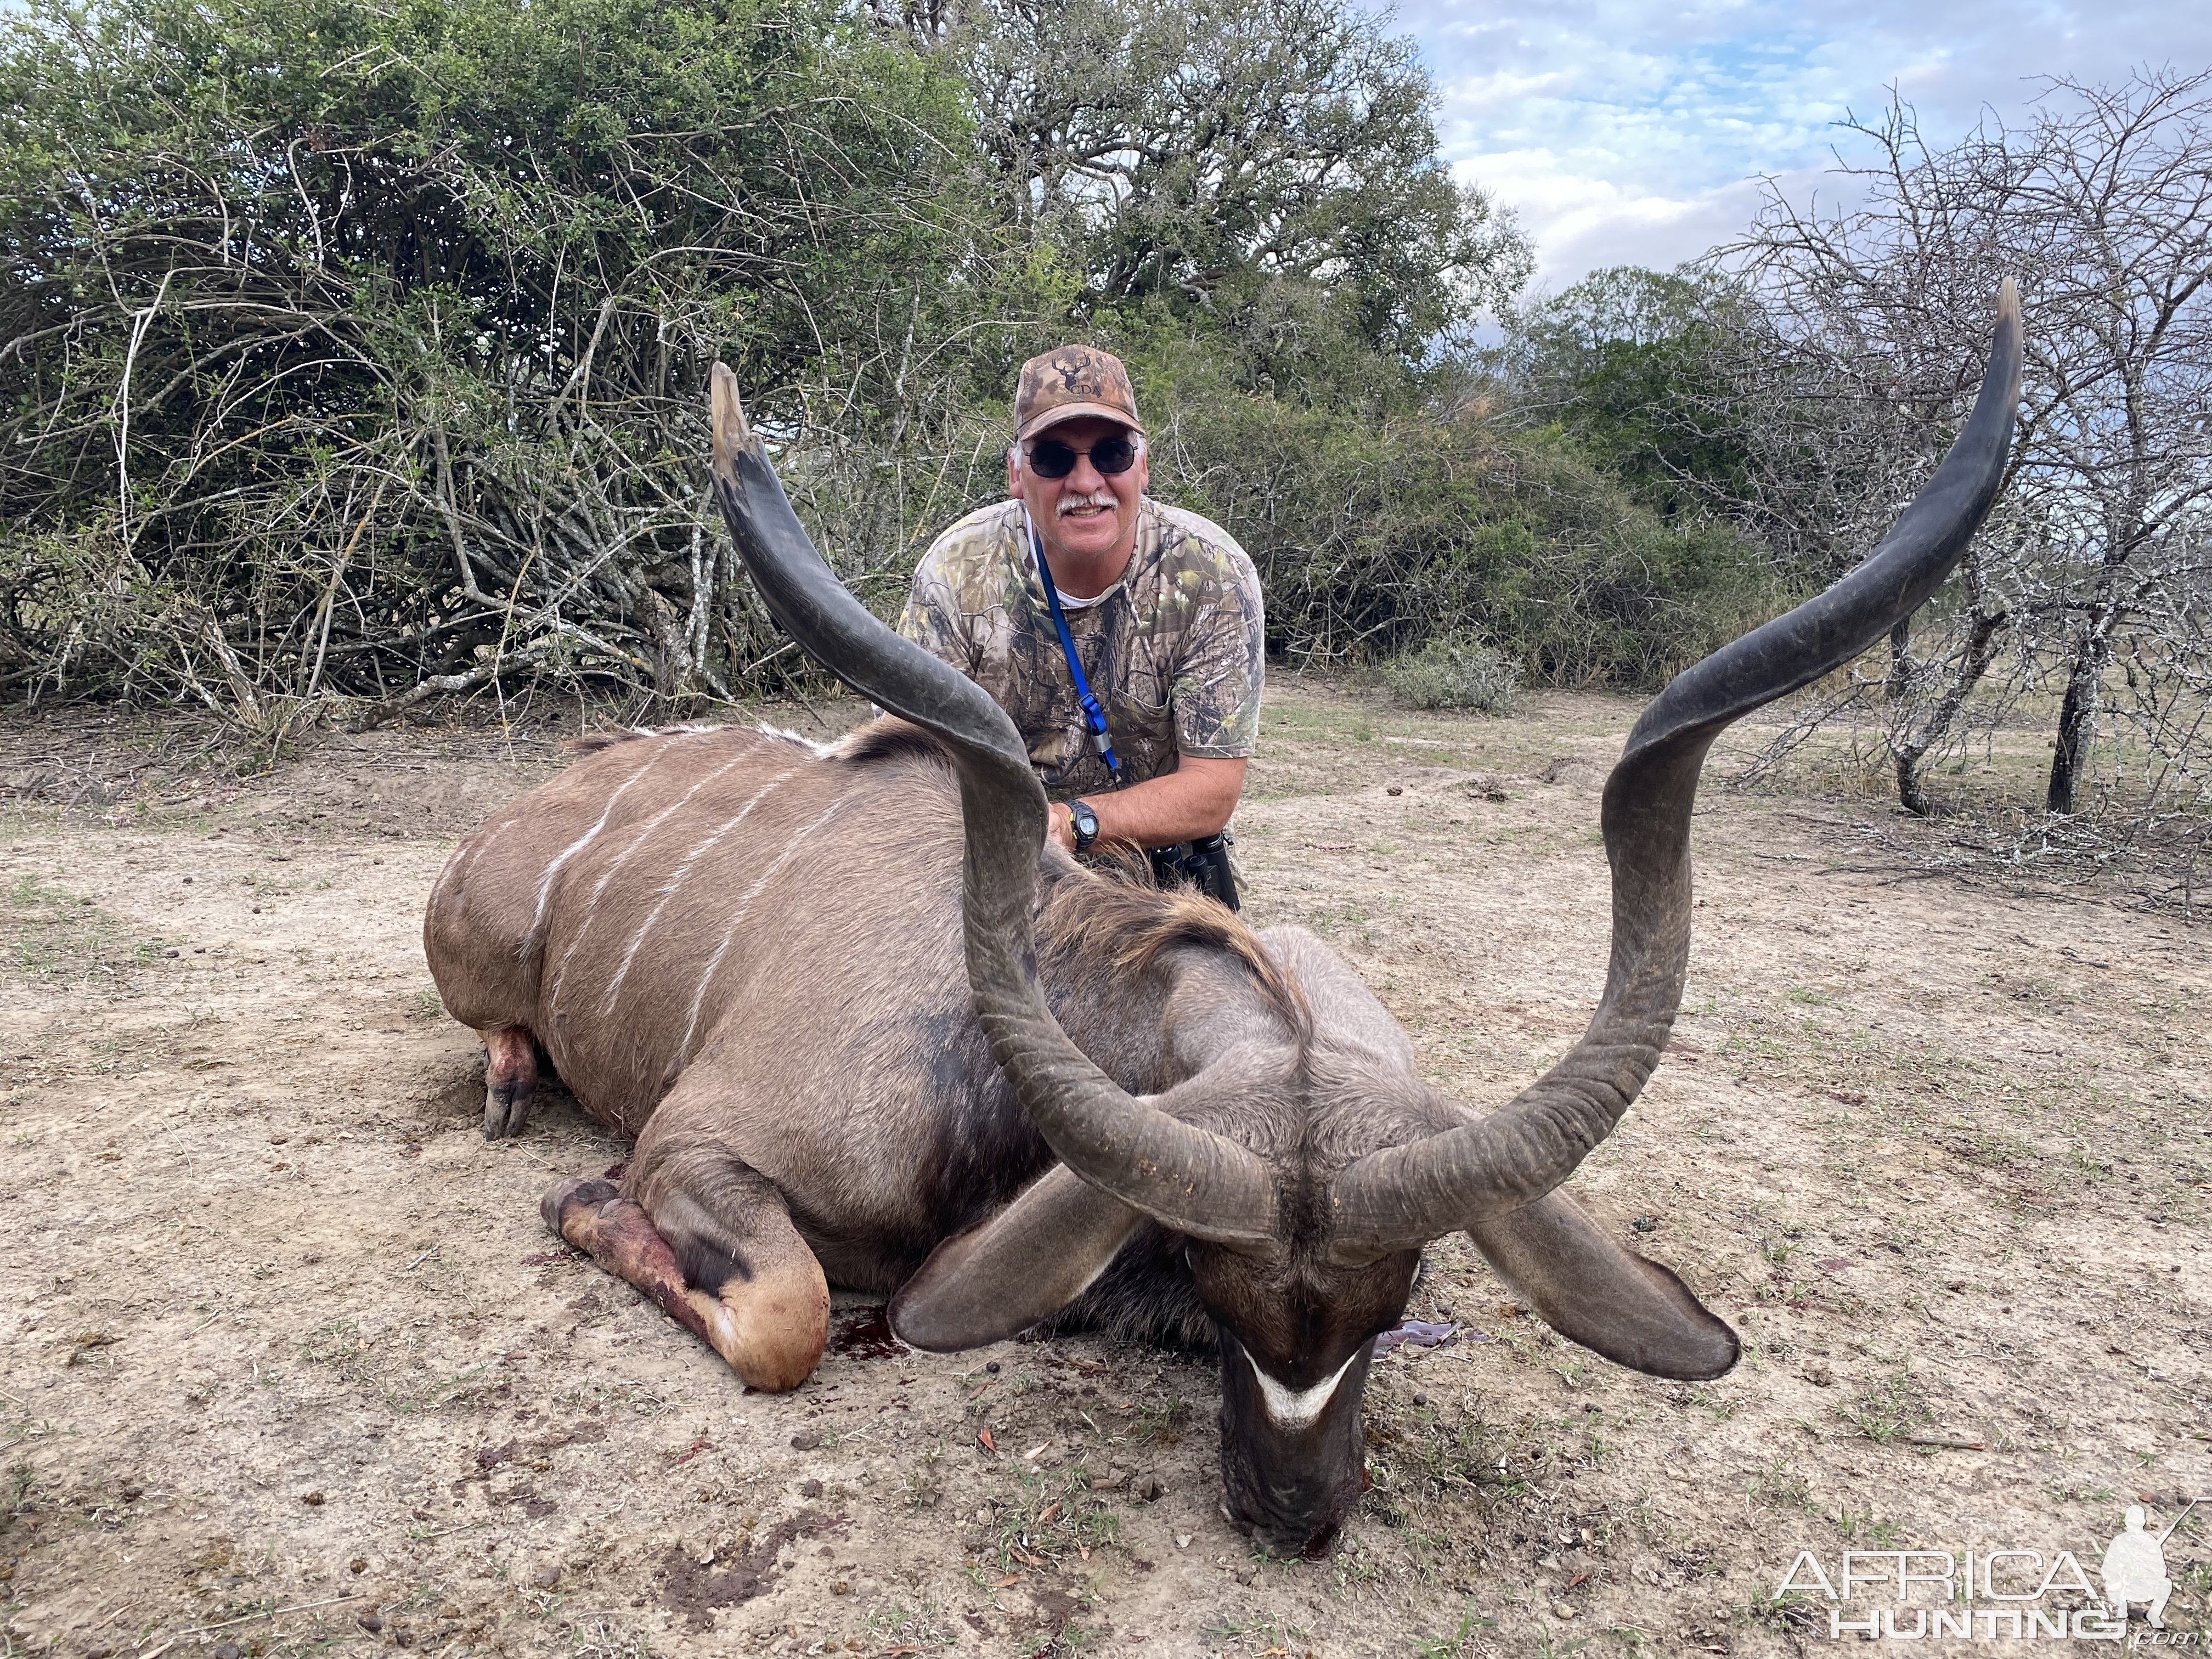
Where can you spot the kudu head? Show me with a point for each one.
(1307, 1175)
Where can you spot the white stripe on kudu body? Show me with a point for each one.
(1294, 1408)
(676, 880)
(598, 887)
(545, 886)
(465, 858)
(714, 963)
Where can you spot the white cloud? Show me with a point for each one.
(1625, 132)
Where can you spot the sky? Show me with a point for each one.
(1634, 131)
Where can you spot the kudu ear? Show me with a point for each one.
(1612, 1300)
(1026, 1263)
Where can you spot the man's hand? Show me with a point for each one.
(1191, 802)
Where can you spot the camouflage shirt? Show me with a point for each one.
(1173, 651)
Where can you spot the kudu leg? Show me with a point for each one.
(738, 1276)
(510, 1080)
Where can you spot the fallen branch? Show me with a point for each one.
(447, 686)
(248, 1617)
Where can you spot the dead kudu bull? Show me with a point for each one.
(863, 1032)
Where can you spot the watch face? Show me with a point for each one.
(1084, 820)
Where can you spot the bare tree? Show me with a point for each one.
(2089, 582)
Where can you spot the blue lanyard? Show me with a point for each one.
(1093, 715)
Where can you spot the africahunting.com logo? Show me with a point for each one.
(2001, 1595)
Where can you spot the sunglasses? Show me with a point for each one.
(1048, 458)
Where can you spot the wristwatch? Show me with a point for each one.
(1086, 822)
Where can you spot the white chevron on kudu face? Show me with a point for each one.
(1294, 1408)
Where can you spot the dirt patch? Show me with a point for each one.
(697, 1589)
(289, 1362)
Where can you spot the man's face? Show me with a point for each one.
(1087, 514)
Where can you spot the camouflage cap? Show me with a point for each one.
(1068, 383)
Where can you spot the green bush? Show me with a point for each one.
(354, 353)
(360, 349)
(1375, 528)
(1455, 671)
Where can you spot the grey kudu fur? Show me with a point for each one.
(1238, 1142)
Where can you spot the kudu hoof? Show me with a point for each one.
(510, 1080)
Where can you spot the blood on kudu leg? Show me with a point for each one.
(595, 1218)
(762, 1304)
(510, 1080)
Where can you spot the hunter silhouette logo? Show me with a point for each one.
(2134, 1567)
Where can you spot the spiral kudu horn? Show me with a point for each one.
(1185, 1177)
(1400, 1197)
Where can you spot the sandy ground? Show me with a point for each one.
(288, 1363)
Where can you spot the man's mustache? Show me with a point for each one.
(1102, 498)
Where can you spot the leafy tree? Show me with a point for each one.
(353, 352)
(1373, 536)
(1640, 369)
(1267, 165)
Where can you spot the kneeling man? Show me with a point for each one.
(1125, 637)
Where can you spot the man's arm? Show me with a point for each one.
(1191, 802)
(932, 617)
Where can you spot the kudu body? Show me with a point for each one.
(864, 1032)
